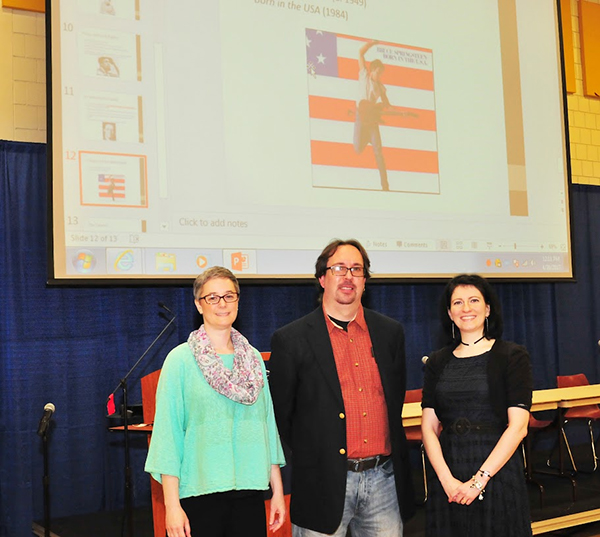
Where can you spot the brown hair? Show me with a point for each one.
(331, 248)
(212, 274)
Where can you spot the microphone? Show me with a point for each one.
(46, 417)
(110, 401)
(110, 406)
(425, 359)
(164, 307)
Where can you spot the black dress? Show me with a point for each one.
(470, 431)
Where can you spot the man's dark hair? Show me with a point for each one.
(331, 248)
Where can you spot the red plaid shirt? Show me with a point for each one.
(367, 428)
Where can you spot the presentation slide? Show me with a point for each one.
(249, 133)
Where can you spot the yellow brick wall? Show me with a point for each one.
(22, 76)
(584, 119)
(23, 107)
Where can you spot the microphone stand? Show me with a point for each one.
(125, 414)
(46, 481)
(43, 427)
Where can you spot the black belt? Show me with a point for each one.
(463, 426)
(360, 465)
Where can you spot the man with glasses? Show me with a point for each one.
(338, 380)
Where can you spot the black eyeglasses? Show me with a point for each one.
(215, 299)
(341, 270)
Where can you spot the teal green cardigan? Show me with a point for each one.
(209, 442)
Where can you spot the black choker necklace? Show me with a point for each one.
(474, 342)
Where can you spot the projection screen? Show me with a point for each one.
(248, 133)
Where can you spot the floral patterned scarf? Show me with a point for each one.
(243, 382)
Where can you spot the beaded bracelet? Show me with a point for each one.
(485, 473)
(477, 485)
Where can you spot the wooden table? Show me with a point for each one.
(542, 400)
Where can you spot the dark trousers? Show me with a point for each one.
(227, 514)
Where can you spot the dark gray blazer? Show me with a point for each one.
(310, 414)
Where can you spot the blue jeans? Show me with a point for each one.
(370, 508)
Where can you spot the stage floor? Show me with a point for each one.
(110, 525)
(560, 516)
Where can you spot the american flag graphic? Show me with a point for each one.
(408, 129)
(111, 186)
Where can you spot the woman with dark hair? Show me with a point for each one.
(215, 446)
(476, 400)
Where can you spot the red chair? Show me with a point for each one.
(533, 428)
(587, 413)
(414, 436)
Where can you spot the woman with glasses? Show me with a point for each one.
(215, 446)
(476, 400)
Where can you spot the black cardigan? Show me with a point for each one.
(508, 372)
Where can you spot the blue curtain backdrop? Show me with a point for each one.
(70, 346)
